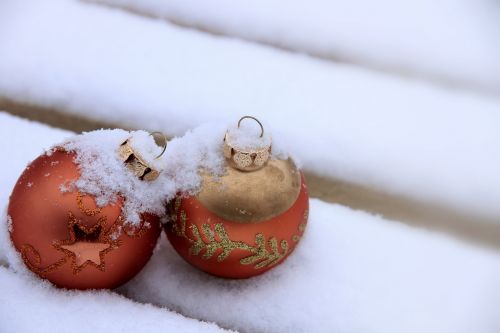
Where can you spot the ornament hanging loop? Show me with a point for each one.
(163, 141)
(248, 158)
(258, 122)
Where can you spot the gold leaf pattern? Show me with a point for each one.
(211, 240)
(302, 226)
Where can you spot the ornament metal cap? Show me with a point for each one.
(136, 163)
(248, 159)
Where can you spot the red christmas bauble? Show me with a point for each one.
(65, 238)
(243, 223)
(247, 220)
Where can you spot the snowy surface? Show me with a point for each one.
(352, 272)
(455, 41)
(340, 121)
(28, 305)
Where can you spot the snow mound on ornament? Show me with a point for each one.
(105, 176)
(249, 136)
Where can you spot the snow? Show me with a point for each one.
(351, 272)
(246, 138)
(377, 130)
(105, 176)
(454, 41)
(28, 305)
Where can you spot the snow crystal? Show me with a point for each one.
(9, 223)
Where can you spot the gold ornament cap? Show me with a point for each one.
(254, 187)
(136, 163)
(246, 157)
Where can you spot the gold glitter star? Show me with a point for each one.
(86, 245)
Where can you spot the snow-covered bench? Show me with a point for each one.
(351, 272)
(447, 42)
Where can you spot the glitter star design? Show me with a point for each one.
(86, 245)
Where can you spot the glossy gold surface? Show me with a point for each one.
(250, 197)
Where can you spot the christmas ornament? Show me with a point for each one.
(64, 237)
(246, 221)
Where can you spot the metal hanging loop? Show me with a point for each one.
(164, 140)
(258, 122)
